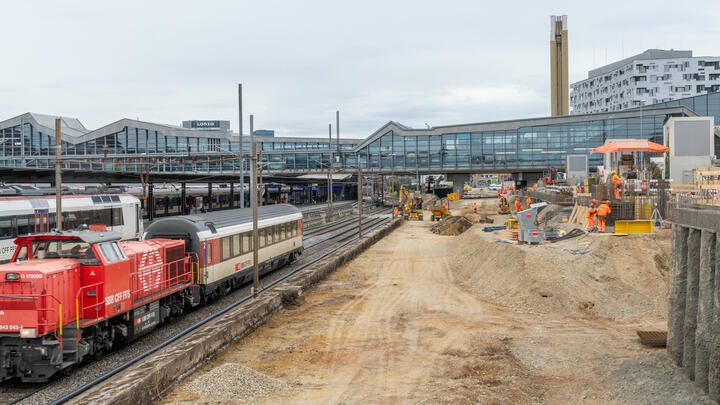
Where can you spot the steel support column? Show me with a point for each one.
(232, 195)
(183, 199)
(210, 198)
(150, 203)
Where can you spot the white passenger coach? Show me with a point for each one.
(25, 215)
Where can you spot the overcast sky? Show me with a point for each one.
(416, 62)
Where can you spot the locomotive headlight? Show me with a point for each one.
(27, 333)
(12, 276)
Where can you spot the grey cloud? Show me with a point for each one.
(415, 62)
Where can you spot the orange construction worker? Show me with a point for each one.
(396, 212)
(602, 212)
(475, 207)
(528, 202)
(617, 182)
(518, 205)
(591, 213)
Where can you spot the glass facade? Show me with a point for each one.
(703, 105)
(133, 147)
(522, 148)
(518, 145)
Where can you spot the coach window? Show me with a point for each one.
(25, 225)
(261, 236)
(237, 246)
(294, 229)
(117, 217)
(247, 242)
(7, 229)
(225, 249)
(276, 232)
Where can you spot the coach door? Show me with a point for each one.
(41, 215)
(41, 221)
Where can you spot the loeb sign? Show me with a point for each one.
(207, 124)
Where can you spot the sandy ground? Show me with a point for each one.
(423, 318)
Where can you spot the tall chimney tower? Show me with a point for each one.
(559, 90)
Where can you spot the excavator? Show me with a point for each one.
(411, 207)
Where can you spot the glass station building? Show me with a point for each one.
(515, 146)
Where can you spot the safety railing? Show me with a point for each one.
(172, 275)
(49, 317)
(97, 304)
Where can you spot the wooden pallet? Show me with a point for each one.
(654, 338)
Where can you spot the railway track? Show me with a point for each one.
(329, 238)
(337, 224)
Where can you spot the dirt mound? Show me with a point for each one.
(451, 226)
(610, 277)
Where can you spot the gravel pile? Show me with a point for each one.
(232, 381)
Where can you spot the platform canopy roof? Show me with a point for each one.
(631, 145)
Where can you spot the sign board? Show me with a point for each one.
(207, 124)
(576, 167)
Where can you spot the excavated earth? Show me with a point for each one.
(424, 318)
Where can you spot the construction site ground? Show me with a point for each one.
(426, 318)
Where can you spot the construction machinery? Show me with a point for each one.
(440, 209)
(410, 205)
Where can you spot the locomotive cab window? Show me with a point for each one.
(64, 249)
(111, 252)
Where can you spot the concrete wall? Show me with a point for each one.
(694, 297)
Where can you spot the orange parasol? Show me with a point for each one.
(631, 145)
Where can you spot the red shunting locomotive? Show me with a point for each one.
(117, 291)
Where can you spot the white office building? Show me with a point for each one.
(652, 77)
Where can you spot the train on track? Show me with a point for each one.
(67, 297)
(26, 215)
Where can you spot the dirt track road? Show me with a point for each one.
(396, 326)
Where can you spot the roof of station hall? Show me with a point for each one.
(74, 131)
